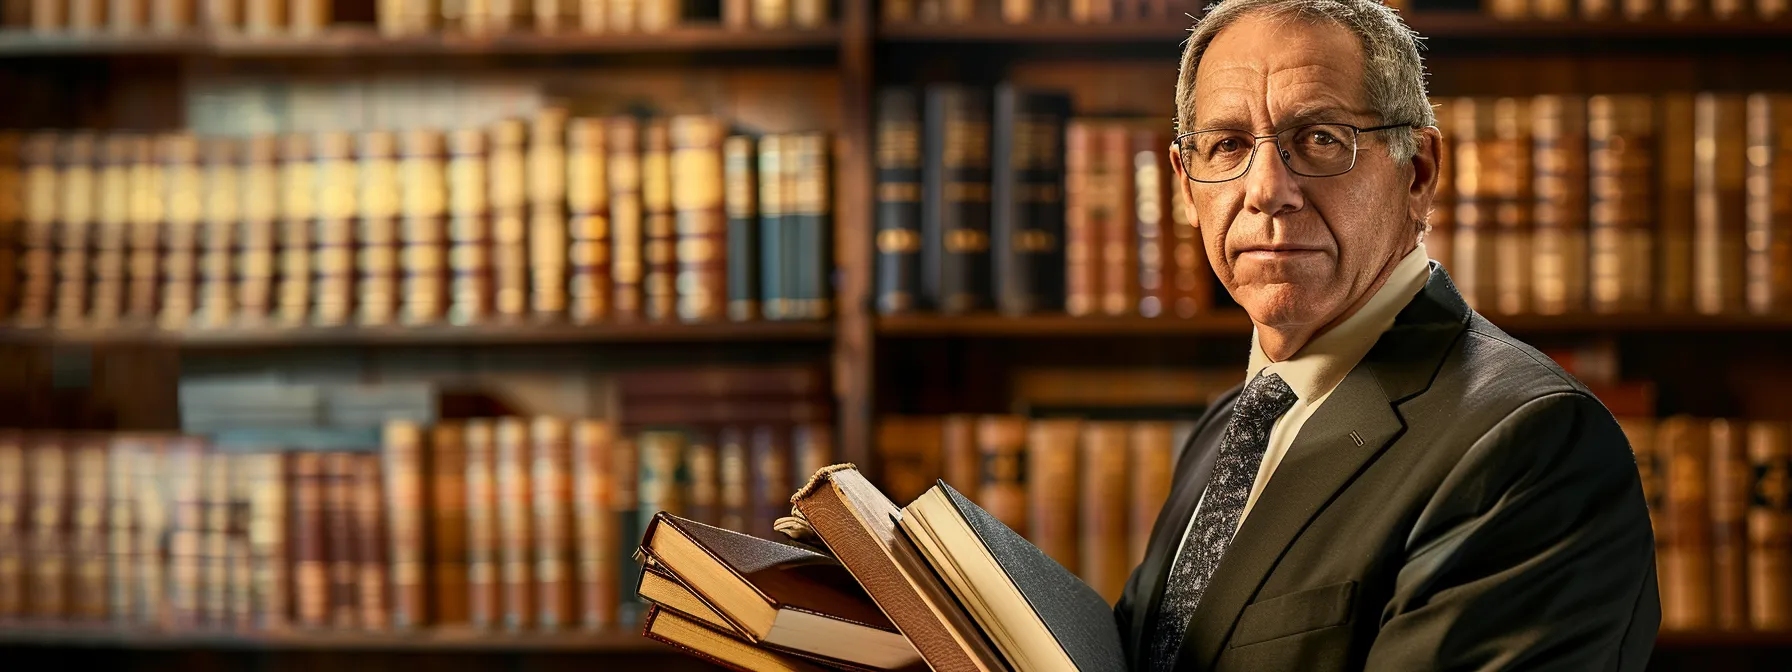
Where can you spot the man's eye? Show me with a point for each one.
(1322, 138)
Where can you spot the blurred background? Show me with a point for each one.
(369, 333)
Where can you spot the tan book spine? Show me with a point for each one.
(406, 506)
(1768, 234)
(1512, 207)
(1002, 485)
(48, 16)
(120, 495)
(1104, 468)
(1728, 10)
(1151, 205)
(270, 483)
(152, 518)
(627, 266)
(658, 224)
(551, 495)
(508, 194)
(701, 242)
(771, 14)
(1021, 11)
(215, 539)
(376, 241)
(47, 574)
(1152, 460)
(595, 540)
(1053, 489)
(423, 235)
(76, 193)
(735, 485)
(264, 17)
(14, 511)
(547, 195)
(88, 540)
(594, 16)
(186, 466)
(588, 201)
(1621, 245)
(1769, 526)
(516, 577)
(961, 461)
(770, 471)
(298, 210)
(1191, 275)
(1720, 206)
(37, 235)
(810, 14)
(448, 524)
(469, 230)
(311, 569)
(1686, 577)
(482, 524)
(257, 242)
(373, 592)
(218, 233)
(1477, 179)
(1597, 10)
(12, 195)
(703, 478)
(333, 238)
(738, 14)
(111, 234)
(221, 15)
(1552, 10)
(1440, 224)
(127, 16)
(1772, 9)
(1113, 219)
(307, 17)
(1559, 237)
(623, 16)
(1729, 497)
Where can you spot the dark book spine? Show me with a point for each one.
(741, 202)
(658, 224)
(623, 135)
(342, 540)
(955, 223)
(1769, 526)
(588, 200)
(811, 229)
(898, 238)
(447, 524)
(625, 468)
(700, 229)
(13, 508)
(774, 302)
(1002, 489)
(1028, 208)
(770, 454)
(11, 197)
(311, 575)
(662, 483)
(811, 448)
(373, 590)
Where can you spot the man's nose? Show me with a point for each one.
(1270, 186)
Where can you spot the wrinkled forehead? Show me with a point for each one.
(1267, 72)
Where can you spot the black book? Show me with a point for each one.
(1038, 614)
(955, 257)
(1028, 191)
(898, 238)
(740, 200)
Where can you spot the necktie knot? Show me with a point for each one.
(1265, 399)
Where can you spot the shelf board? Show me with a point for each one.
(636, 332)
(1235, 323)
(1722, 639)
(1467, 25)
(95, 636)
(352, 42)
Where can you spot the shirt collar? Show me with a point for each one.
(1323, 362)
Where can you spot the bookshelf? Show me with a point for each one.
(868, 354)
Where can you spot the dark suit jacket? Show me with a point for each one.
(1458, 503)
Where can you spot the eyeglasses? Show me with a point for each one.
(1311, 150)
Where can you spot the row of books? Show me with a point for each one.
(1084, 491)
(1636, 10)
(500, 523)
(587, 219)
(1720, 500)
(407, 17)
(1028, 11)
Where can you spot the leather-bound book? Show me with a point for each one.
(47, 487)
(1729, 504)
(14, 512)
(1769, 526)
(221, 192)
(778, 595)
(262, 17)
(627, 266)
(700, 230)
(311, 572)
(11, 205)
(1479, 163)
(373, 590)
(898, 175)
(185, 473)
(119, 572)
(908, 455)
(769, 451)
(1191, 276)
(955, 220)
(740, 203)
(1768, 272)
(1113, 203)
(298, 209)
(659, 293)
(88, 533)
(811, 232)
(1027, 185)
(961, 462)
(218, 471)
(553, 16)
(736, 504)
(508, 196)
(667, 593)
(152, 515)
(1772, 9)
(469, 229)
(775, 152)
(76, 192)
(406, 506)
(594, 528)
(333, 238)
(551, 494)
(623, 16)
(588, 202)
(1082, 238)
(222, 16)
(423, 235)
(111, 230)
(769, 14)
(447, 524)
(663, 483)
(240, 566)
(270, 595)
(308, 17)
(1151, 185)
(1620, 161)
(1686, 578)
(547, 212)
(702, 483)
(1720, 205)
(697, 638)
(1104, 552)
(1559, 214)
(377, 240)
(1052, 465)
(516, 576)
(127, 16)
(625, 464)
(1001, 483)
(1151, 459)
(258, 239)
(1440, 224)
(37, 234)
(482, 524)
(342, 540)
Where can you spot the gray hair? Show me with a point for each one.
(1393, 75)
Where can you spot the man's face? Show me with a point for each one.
(1297, 252)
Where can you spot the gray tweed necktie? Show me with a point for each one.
(1264, 400)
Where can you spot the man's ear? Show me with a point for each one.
(1185, 189)
(1426, 164)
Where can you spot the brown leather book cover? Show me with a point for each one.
(1620, 154)
(38, 205)
(255, 261)
(516, 577)
(701, 225)
(1191, 275)
(1720, 123)
(735, 484)
(1104, 468)
(333, 241)
(270, 537)
(1082, 235)
(627, 265)
(1001, 483)
(691, 636)
(423, 233)
(595, 544)
(1675, 202)
(220, 222)
(769, 450)
(298, 207)
(857, 522)
(1111, 175)
(74, 227)
(342, 540)
(1151, 452)
(1769, 526)
(658, 224)
(960, 460)
(703, 482)
(11, 184)
(1511, 149)
(120, 495)
(1729, 504)
(261, 17)
(1768, 234)
(447, 524)
(372, 594)
(47, 485)
(665, 591)
(1051, 466)
(908, 455)
(551, 492)
(111, 232)
(89, 531)
(588, 199)
(1685, 573)
(1478, 159)
(407, 506)
(547, 213)
(14, 507)
(469, 229)
(482, 524)
(1151, 178)
(1559, 215)
(376, 240)
(507, 177)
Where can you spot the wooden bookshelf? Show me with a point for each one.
(637, 332)
(1437, 25)
(1236, 323)
(615, 641)
(352, 42)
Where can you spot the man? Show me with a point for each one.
(1399, 485)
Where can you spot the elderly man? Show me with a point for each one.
(1399, 485)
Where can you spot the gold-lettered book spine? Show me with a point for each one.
(589, 290)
